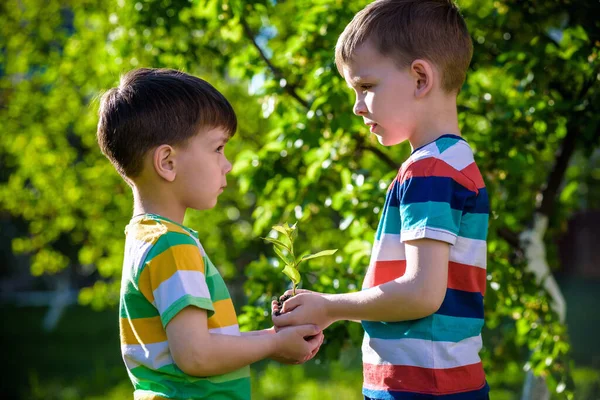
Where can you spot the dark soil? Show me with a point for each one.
(280, 302)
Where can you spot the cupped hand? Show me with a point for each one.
(297, 343)
(305, 308)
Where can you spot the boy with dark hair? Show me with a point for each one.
(421, 303)
(165, 133)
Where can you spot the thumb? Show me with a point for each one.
(308, 330)
(290, 304)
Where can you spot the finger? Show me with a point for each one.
(316, 350)
(313, 354)
(308, 330)
(314, 342)
(274, 306)
(282, 320)
(292, 303)
(321, 337)
(319, 341)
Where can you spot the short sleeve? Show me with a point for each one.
(174, 276)
(431, 206)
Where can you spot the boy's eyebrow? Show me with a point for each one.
(358, 79)
(221, 138)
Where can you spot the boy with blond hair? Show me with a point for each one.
(165, 132)
(421, 303)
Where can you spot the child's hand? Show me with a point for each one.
(305, 308)
(319, 336)
(276, 309)
(292, 347)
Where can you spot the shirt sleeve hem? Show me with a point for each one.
(183, 302)
(428, 233)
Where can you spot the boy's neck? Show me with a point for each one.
(443, 120)
(151, 202)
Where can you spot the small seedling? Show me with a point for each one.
(284, 248)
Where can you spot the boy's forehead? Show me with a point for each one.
(363, 63)
(214, 134)
(354, 72)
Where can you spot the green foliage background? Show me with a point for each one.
(532, 94)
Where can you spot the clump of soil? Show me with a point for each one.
(280, 302)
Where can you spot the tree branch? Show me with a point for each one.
(560, 166)
(587, 85)
(380, 154)
(566, 151)
(289, 88)
(510, 237)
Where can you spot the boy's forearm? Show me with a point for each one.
(259, 332)
(224, 353)
(393, 301)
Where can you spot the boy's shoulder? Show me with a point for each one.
(150, 230)
(449, 156)
(156, 243)
(451, 149)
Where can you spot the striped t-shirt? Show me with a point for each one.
(165, 270)
(438, 194)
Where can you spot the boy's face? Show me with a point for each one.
(384, 95)
(201, 169)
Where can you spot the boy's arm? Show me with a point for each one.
(197, 352)
(417, 294)
(259, 332)
(275, 305)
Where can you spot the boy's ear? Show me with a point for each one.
(163, 161)
(424, 76)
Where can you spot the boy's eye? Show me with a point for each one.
(365, 86)
(220, 149)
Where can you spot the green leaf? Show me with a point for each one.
(319, 254)
(277, 243)
(292, 273)
(286, 258)
(294, 233)
(282, 229)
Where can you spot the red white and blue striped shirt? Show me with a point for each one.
(438, 194)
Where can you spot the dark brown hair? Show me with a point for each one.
(151, 107)
(406, 30)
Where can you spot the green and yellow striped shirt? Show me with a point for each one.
(165, 269)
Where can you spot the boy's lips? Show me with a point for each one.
(372, 126)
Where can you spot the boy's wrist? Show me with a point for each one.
(343, 306)
(333, 311)
(267, 331)
(274, 344)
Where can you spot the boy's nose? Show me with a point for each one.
(228, 166)
(360, 108)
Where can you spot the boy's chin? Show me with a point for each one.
(387, 141)
(204, 205)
